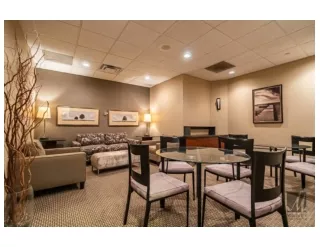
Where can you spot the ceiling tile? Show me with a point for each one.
(237, 29)
(95, 41)
(304, 35)
(153, 57)
(275, 46)
(82, 71)
(309, 48)
(126, 50)
(286, 56)
(109, 28)
(142, 67)
(210, 41)
(176, 47)
(203, 74)
(213, 23)
(228, 51)
(290, 26)
(188, 31)
(138, 35)
(128, 75)
(117, 61)
(56, 45)
(73, 22)
(89, 54)
(244, 58)
(262, 35)
(252, 66)
(158, 26)
(55, 66)
(77, 62)
(58, 30)
(103, 75)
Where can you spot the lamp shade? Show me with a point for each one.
(43, 112)
(147, 118)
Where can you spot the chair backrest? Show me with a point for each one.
(222, 139)
(142, 151)
(295, 140)
(164, 140)
(244, 136)
(261, 159)
(243, 144)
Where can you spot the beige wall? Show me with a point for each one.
(196, 101)
(219, 119)
(80, 91)
(166, 106)
(298, 82)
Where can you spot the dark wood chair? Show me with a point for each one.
(152, 187)
(253, 201)
(295, 141)
(176, 167)
(228, 171)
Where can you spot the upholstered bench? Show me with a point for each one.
(111, 159)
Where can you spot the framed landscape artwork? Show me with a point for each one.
(267, 105)
(74, 116)
(123, 118)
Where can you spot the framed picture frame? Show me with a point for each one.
(123, 118)
(267, 105)
(77, 116)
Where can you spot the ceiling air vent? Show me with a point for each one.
(110, 69)
(57, 57)
(219, 67)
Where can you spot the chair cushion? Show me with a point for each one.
(225, 170)
(293, 158)
(161, 185)
(35, 149)
(311, 160)
(237, 195)
(177, 167)
(301, 167)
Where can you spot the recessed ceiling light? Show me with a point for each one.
(231, 72)
(187, 55)
(147, 77)
(86, 64)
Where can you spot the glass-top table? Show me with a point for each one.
(203, 155)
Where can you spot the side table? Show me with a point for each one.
(48, 143)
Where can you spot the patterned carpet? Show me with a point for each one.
(102, 203)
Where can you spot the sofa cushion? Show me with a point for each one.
(90, 139)
(117, 147)
(34, 149)
(91, 149)
(114, 138)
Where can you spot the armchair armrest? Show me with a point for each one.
(62, 150)
(55, 170)
(75, 144)
(133, 141)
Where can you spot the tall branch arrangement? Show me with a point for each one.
(20, 94)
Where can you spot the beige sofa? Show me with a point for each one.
(153, 147)
(58, 167)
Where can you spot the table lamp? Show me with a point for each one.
(44, 112)
(147, 119)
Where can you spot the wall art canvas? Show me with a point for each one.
(77, 116)
(267, 105)
(123, 118)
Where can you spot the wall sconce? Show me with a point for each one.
(218, 104)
